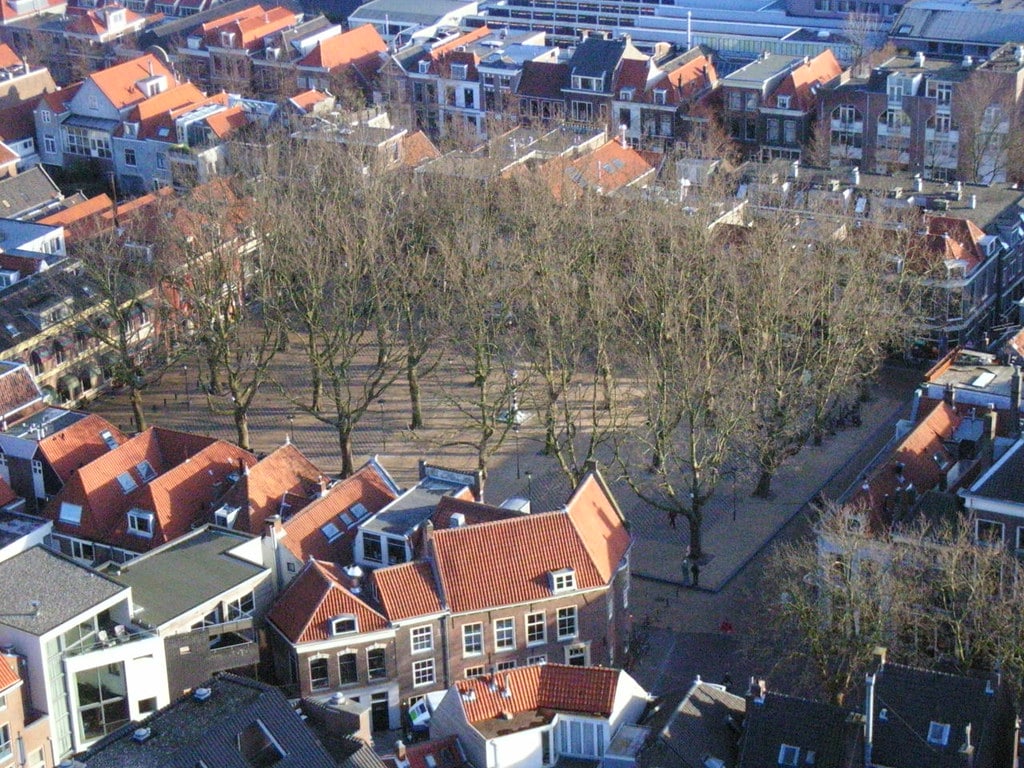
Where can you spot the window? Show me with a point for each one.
(736, 101)
(789, 131)
(576, 656)
(422, 639)
(938, 733)
(534, 660)
(563, 580)
(659, 96)
(318, 676)
(5, 741)
(626, 94)
(146, 471)
(129, 157)
(330, 531)
(372, 551)
(941, 92)
(347, 672)
(226, 516)
(773, 130)
(536, 628)
(846, 113)
(789, 755)
(989, 532)
(70, 513)
(127, 482)
(475, 672)
(423, 672)
(505, 634)
(376, 663)
(140, 523)
(396, 551)
(783, 102)
(505, 665)
(49, 144)
(459, 71)
(161, 161)
(472, 639)
(45, 114)
(567, 622)
(342, 625)
(82, 550)
(147, 705)
(1020, 537)
(582, 111)
(242, 607)
(750, 105)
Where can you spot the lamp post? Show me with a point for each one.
(383, 434)
(291, 427)
(515, 431)
(529, 487)
(188, 402)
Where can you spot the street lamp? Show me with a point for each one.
(188, 402)
(515, 431)
(529, 487)
(291, 427)
(383, 434)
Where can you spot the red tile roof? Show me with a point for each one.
(609, 167)
(7, 156)
(82, 220)
(446, 753)
(313, 598)
(17, 390)
(8, 58)
(190, 472)
(223, 123)
(440, 55)
(58, 101)
(7, 494)
(361, 48)
(407, 590)
(692, 78)
(8, 11)
(250, 26)
(307, 99)
(586, 690)
(285, 476)
(93, 23)
(77, 445)
(417, 148)
(802, 84)
(917, 454)
(474, 512)
(8, 672)
(948, 238)
(159, 111)
(119, 83)
(600, 524)
(304, 538)
(507, 562)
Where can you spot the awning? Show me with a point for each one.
(43, 353)
(65, 341)
(83, 331)
(91, 376)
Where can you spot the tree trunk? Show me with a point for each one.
(211, 363)
(550, 441)
(764, 484)
(345, 444)
(241, 416)
(137, 409)
(318, 390)
(696, 545)
(412, 373)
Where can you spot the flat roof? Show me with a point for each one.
(404, 514)
(43, 423)
(417, 11)
(761, 69)
(190, 571)
(42, 590)
(14, 526)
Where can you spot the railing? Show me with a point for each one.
(108, 637)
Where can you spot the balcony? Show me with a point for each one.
(108, 636)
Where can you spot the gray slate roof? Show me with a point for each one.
(189, 733)
(189, 572)
(595, 57)
(699, 727)
(915, 698)
(63, 589)
(1006, 480)
(967, 24)
(810, 726)
(27, 193)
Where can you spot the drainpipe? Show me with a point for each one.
(869, 715)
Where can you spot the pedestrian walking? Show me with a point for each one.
(695, 573)
(672, 515)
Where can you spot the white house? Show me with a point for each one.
(530, 717)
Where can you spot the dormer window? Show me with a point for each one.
(789, 756)
(626, 94)
(424, 67)
(140, 523)
(344, 625)
(660, 94)
(460, 71)
(563, 580)
(783, 102)
(938, 733)
(581, 83)
(127, 482)
(225, 516)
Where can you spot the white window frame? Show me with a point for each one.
(505, 634)
(535, 660)
(70, 514)
(421, 639)
(346, 618)
(995, 523)
(478, 671)
(505, 666)
(473, 630)
(563, 580)
(564, 615)
(789, 755)
(531, 628)
(127, 482)
(784, 102)
(423, 672)
(135, 519)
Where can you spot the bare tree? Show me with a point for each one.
(986, 112)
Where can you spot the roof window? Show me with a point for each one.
(331, 531)
(258, 747)
(938, 733)
(343, 625)
(107, 436)
(146, 471)
(563, 580)
(788, 755)
(127, 482)
(70, 513)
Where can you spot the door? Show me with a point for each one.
(380, 712)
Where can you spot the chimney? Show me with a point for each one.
(354, 574)
(323, 485)
(967, 748)
(855, 176)
(919, 59)
(879, 654)
(974, 202)
(918, 183)
(400, 751)
(869, 718)
(794, 170)
(273, 529)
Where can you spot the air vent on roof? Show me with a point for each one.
(457, 520)
(202, 694)
(141, 735)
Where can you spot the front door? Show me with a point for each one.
(380, 712)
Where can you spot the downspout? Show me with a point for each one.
(869, 721)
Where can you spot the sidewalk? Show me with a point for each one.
(737, 526)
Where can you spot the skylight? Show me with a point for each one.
(70, 513)
(127, 482)
(359, 511)
(938, 733)
(146, 471)
(108, 438)
(331, 531)
(788, 755)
